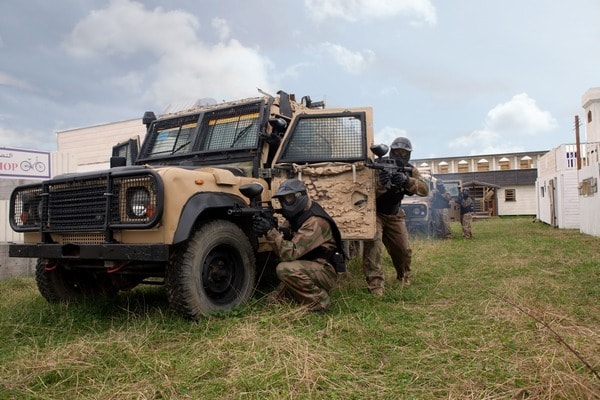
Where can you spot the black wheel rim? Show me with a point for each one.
(222, 274)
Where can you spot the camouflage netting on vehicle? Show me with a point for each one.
(326, 168)
(344, 200)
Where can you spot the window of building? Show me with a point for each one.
(526, 162)
(483, 165)
(589, 116)
(504, 164)
(542, 191)
(463, 166)
(443, 167)
(588, 187)
(571, 158)
(510, 195)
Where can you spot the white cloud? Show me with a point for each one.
(505, 124)
(354, 10)
(388, 134)
(9, 80)
(222, 28)
(293, 71)
(353, 62)
(520, 115)
(233, 71)
(181, 65)
(125, 27)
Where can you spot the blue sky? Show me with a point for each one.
(459, 77)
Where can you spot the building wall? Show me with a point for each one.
(589, 201)
(92, 146)
(558, 172)
(525, 203)
(589, 204)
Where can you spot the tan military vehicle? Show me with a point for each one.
(418, 210)
(173, 217)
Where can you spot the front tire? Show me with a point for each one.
(57, 282)
(215, 271)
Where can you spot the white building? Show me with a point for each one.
(589, 174)
(501, 184)
(568, 175)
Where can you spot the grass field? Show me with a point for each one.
(512, 314)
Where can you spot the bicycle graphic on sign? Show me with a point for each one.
(37, 165)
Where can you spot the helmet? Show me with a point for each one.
(402, 143)
(292, 205)
(400, 151)
(440, 184)
(466, 192)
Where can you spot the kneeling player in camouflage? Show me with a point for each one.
(309, 252)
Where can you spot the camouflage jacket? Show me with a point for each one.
(314, 232)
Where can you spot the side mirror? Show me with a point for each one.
(118, 162)
(278, 124)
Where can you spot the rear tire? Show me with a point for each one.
(58, 283)
(215, 271)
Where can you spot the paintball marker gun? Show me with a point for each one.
(381, 150)
(389, 166)
(253, 191)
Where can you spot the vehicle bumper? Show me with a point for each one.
(109, 251)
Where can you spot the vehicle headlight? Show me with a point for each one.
(138, 203)
(31, 209)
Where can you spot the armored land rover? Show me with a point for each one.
(419, 212)
(168, 218)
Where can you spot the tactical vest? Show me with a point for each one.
(320, 252)
(389, 202)
(466, 205)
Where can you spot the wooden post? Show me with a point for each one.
(577, 144)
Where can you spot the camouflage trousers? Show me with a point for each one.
(308, 282)
(465, 220)
(390, 232)
(442, 223)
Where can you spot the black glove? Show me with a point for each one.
(385, 177)
(261, 225)
(399, 179)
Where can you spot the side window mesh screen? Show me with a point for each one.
(326, 138)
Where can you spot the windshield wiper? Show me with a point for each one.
(181, 147)
(241, 134)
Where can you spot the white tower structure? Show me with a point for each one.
(591, 106)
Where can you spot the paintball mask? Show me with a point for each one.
(293, 198)
(400, 151)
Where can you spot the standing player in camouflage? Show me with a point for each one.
(310, 254)
(441, 204)
(391, 229)
(466, 213)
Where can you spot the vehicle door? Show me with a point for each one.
(328, 150)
